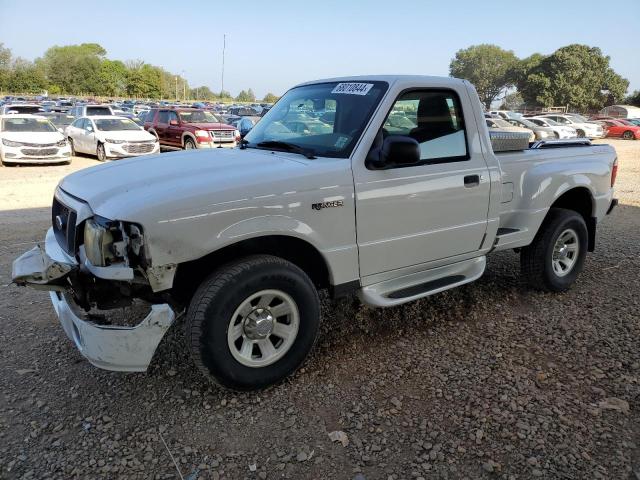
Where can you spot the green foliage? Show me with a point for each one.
(270, 98)
(512, 101)
(488, 67)
(633, 99)
(5, 66)
(26, 77)
(112, 78)
(246, 96)
(75, 68)
(575, 75)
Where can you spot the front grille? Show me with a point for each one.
(24, 144)
(64, 226)
(39, 152)
(138, 147)
(222, 134)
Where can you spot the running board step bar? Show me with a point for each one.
(422, 284)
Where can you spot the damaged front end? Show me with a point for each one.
(93, 265)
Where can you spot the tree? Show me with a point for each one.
(246, 96)
(5, 66)
(488, 67)
(112, 78)
(576, 75)
(633, 99)
(270, 98)
(512, 101)
(74, 68)
(26, 77)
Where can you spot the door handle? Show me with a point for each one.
(471, 181)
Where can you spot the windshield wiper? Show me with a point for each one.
(289, 147)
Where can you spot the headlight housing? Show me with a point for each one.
(202, 133)
(111, 140)
(98, 240)
(11, 143)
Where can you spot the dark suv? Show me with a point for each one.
(190, 128)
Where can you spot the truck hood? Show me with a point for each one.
(212, 126)
(180, 182)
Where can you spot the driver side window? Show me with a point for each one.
(434, 119)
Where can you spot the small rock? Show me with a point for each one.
(339, 436)
(302, 457)
(253, 467)
(613, 403)
(396, 403)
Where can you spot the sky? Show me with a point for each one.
(273, 45)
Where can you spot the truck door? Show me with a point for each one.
(436, 209)
(161, 126)
(174, 130)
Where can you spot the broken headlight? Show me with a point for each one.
(98, 240)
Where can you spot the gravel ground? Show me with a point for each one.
(490, 380)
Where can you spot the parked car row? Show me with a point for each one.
(550, 125)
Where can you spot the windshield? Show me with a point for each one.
(548, 121)
(327, 118)
(578, 118)
(27, 125)
(501, 123)
(199, 116)
(113, 124)
(525, 122)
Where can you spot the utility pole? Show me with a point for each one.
(184, 87)
(176, 87)
(224, 46)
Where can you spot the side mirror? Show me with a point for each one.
(173, 123)
(396, 151)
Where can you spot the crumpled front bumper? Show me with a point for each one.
(111, 347)
(124, 349)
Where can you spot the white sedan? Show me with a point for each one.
(110, 136)
(562, 131)
(28, 138)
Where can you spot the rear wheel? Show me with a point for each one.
(556, 256)
(628, 135)
(189, 144)
(253, 322)
(101, 153)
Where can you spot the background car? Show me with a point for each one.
(583, 127)
(90, 110)
(110, 136)
(28, 138)
(620, 129)
(561, 131)
(541, 133)
(59, 119)
(502, 125)
(24, 108)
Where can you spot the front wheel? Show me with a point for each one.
(73, 150)
(189, 144)
(580, 133)
(253, 323)
(101, 153)
(556, 256)
(628, 135)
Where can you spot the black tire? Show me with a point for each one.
(211, 314)
(536, 260)
(101, 153)
(581, 133)
(628, 135)
(73, 150)
(557, 135)
(189, 144)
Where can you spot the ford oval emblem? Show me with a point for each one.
(59, 222)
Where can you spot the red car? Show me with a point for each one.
(620, 128)
(189, 128)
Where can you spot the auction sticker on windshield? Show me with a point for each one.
(352, 88)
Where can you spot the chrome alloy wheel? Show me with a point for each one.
(565, 252)
(263, 328)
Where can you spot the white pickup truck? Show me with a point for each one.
(386, 186)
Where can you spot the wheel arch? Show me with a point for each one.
(293, 249)
(580, 200)
(190, 135)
